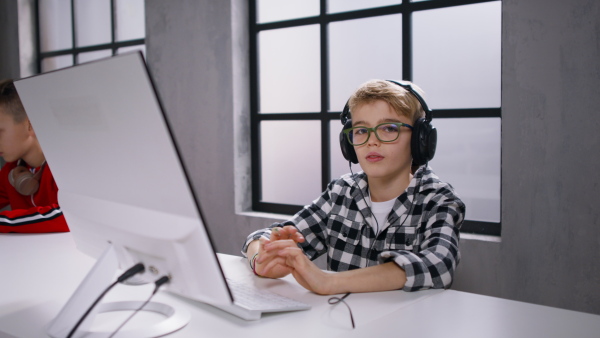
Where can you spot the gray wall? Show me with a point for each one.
(550, 245)
(197, 54)
(9, 40)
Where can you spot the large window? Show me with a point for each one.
(75, 31)
(308, 56)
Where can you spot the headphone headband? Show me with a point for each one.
(345, 116)
(408, 86)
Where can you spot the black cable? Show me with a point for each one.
(337, 300)
(162, 280)
(138, 268)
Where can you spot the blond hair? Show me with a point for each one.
(401, 100)
(10, 101)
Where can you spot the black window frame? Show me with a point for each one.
(113, 45)
(406, 8)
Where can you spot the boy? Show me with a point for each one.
(26, 182)
(385, 228)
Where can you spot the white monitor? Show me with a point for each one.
(120, 177)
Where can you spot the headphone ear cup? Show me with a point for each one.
(347, 148)
(23, 181)
(423, 142)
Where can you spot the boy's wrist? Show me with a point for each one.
(334, 282)
(253, 264)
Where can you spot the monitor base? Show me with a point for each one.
(98, 278)
(175, 320)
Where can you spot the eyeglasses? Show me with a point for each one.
(385, 132)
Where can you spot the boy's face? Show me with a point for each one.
(382, 160)
(15, 138)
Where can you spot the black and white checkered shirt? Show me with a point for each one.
(421, 233)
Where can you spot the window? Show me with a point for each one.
(76, 31)
(308, 56)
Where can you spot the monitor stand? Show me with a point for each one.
(95, 282)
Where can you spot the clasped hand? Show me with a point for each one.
(280, 256)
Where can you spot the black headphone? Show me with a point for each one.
(424, 135)
(25, 182)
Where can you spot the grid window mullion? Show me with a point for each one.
(75, 50)
(406, 8)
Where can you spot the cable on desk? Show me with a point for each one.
(336, 300)
(162, 280)
(138, 268)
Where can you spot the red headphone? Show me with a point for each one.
(24, 181)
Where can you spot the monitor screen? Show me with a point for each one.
(120, 177)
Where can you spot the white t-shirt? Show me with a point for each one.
(381, 210)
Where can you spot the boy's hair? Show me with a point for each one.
(401, 100)
(10, 101)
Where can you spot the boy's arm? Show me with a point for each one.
(433, 266)
(311, 222)
(306, 229)
(33, 220)
(383, 277)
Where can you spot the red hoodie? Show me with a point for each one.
(38, 214)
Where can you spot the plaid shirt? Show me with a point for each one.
(420, 235)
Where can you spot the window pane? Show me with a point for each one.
(130, 20)
(351, 5)
(124, 50)
(339, 165)
(55, 25)
(457, 55)
(91, 56)
(291, 161)
(468, 157)
(289, 69)
(278, 10)
(56, 62)
(359, 51)
(92, 22)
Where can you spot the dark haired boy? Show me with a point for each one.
(26, 182)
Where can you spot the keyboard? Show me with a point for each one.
(247, 296)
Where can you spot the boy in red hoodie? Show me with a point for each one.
(26, 182)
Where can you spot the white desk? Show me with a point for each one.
(39, 273)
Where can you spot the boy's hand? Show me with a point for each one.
(287, 232)
(269, 264)
(304, 270)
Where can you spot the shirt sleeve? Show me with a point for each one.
(33, 220)
(311, 222)
(433, 265)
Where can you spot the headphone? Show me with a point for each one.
(424, 135)
(25, 182)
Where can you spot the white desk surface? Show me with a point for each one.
(39, 273)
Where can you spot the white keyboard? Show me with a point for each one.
(251, 298)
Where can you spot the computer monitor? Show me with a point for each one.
(122, 184)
